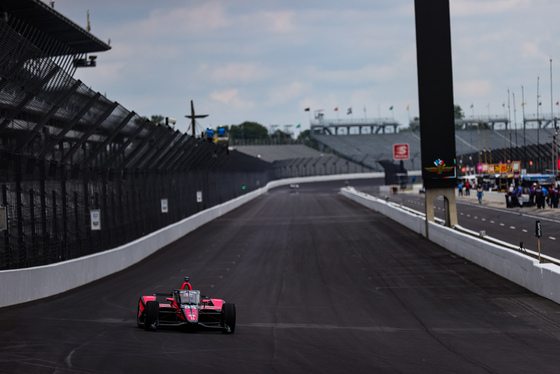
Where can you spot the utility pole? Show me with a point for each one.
(193, 117)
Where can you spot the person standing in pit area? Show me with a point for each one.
(532, 191)
(479, 193)
(540, 193)
(520, 196)
(554, 196)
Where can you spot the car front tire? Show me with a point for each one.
(151, 315)
(229, 313)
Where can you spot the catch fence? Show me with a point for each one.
(80, 174)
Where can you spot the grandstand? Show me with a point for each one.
(271, 153)
(472, 147)
(367, 152)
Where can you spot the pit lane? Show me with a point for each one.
(321, 285)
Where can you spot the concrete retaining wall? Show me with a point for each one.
(23, 285)
(542, 279)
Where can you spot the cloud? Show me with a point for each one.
(285, 93)
(472, 88)
(231, 97)
(104, 73)
(239, 72)
(180, 21)
(281, 22)
(531, 50)
(465, 8)
(266, 61)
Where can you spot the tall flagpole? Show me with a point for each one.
(524, 126)
(554, 148)
(538, 129)
(508, 120)
(515, 125)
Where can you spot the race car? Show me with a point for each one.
(185, 307)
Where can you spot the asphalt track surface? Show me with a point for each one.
(321, 285)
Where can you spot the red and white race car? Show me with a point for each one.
(185, 307)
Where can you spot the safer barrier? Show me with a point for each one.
(540, 278)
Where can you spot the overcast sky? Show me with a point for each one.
(268, 60)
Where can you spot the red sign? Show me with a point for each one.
(401, 151)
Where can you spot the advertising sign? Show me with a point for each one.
(401, 151)
(95, 216)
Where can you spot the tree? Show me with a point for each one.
(414, 125)
(279, 136)
(305, 138)
(248, 130)
(158, 118)
(458, 114)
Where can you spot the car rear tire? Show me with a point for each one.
(151, 315)
(228, 316)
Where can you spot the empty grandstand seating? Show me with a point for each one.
(519, 145)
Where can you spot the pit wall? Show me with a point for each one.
(540, 278)
(29, 284)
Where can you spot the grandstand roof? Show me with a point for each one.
(50, 22)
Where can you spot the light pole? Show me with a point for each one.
(554, 147)
(524, 137)
(538, 130)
